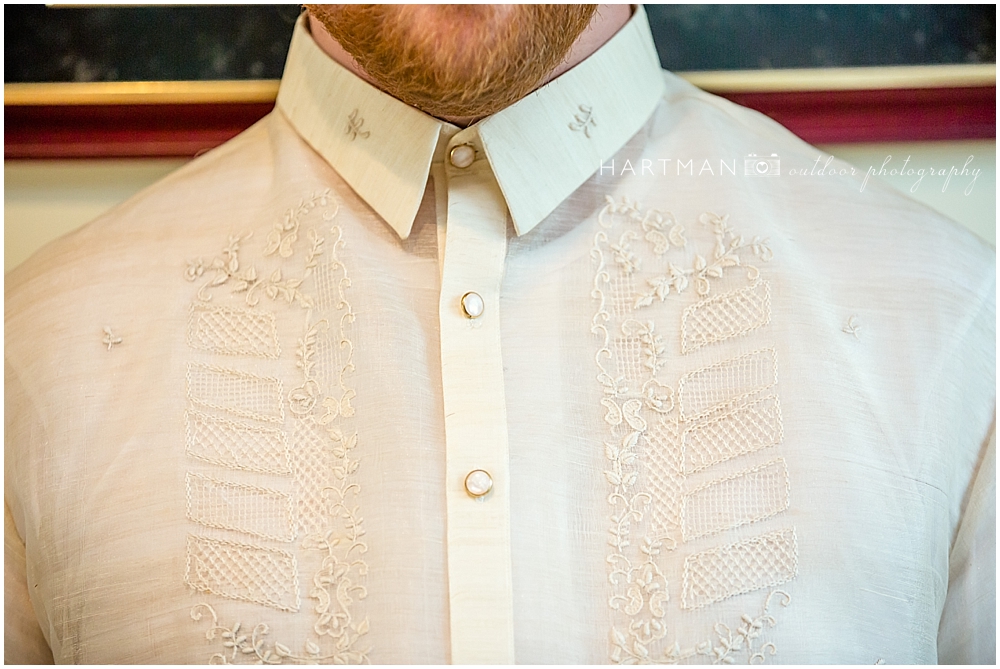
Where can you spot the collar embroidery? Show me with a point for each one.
(541, 149)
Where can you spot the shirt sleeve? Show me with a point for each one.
(967, 633)
(23, 641)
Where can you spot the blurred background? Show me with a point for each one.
(101, 101)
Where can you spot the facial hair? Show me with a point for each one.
(456, 60)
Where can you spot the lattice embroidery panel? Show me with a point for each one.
(745, 429)
(726, 316)
(233, 331)
(240, 507)
(725, 383)
(696, 484)
(270, 442)
(314, 463)
(734, 501)
(248, 572)
(719, 573)
(236, 392)
(236, 445)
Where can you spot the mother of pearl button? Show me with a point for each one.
(473, 305)
(462, 156)
(478, 483)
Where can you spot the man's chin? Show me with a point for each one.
(456, 62)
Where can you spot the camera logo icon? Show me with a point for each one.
(759, 166)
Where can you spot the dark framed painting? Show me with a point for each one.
(108, 81)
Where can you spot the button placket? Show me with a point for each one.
(479, 571)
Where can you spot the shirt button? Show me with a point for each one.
(478, 483)
(462, 156)
(473, 305)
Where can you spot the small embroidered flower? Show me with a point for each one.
(110, 339)
(584, 120)
(301, 401)
(623, 255)
(354, 125)
(195, 268)
(852, 327)
(241, 643)
(726, 254)
(662, 230)
(658, 397)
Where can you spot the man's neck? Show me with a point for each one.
(608, 20)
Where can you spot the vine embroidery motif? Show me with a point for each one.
(645, 461)
(728, 645)
(584, 120)
(110, 338)
(662, 231)
(227, 266)
(354, 125)
(336, 584)
(239, 644)
(852, 327)
(337, 532)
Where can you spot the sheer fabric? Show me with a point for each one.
(748, 418)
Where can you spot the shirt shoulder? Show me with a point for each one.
(868, 219)
(120, 278)
(914, 290)
(214, 191)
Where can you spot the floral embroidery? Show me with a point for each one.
(225, 266)
(195, 268)
(638, 587)
(728, 646)
(110, 338)
(651, 344)
(662, 230)
(725, 647)
(659, 228)
(726, 254)
(319, 452)
(302, 399)
(623, 255)
(255, 647)
(584, 120)
(659, 437)
(275, 286)
(354, 125)
(852, 327)
(286, 231)
(338, 582)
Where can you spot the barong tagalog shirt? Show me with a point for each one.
(592, 380)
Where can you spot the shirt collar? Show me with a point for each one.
(541, 148)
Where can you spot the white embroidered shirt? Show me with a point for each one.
(593, 380)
